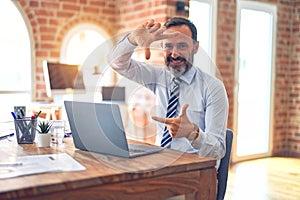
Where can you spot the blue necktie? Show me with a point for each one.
(171, 112)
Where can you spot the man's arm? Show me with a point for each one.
(211, 141)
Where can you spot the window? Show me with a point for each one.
(80, 42)
(256, 25)
(15, 51)
(203, 15)
(86, 45)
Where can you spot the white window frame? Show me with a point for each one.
(213, 32)
(243, 4)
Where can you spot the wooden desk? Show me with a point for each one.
(157, 176)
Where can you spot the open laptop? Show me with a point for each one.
(98, 127)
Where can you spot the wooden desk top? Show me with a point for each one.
(100, 169)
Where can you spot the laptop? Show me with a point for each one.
(98, 127)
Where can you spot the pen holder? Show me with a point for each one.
(25, 130)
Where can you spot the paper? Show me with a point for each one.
(35, 164)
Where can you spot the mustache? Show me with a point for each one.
(179, 58)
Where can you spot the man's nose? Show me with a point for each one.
(174, 52)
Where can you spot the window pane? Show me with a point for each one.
(254, 97)
(14, 50)
(200, 15)
(81, 45)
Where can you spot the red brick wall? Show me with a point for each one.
(50, 20)
(281, 111)
(286, 134)
(293, 136)
(225, 58)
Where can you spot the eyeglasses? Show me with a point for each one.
(182, 46)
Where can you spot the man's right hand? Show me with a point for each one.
(147, 33)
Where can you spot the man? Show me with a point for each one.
(198, 124)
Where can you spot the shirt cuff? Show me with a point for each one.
(198, 142)
(129, 45)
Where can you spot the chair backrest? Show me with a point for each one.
(224, 166)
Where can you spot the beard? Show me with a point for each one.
(178, 69)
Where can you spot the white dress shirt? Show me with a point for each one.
(206, 96)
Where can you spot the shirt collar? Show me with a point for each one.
(188, 76)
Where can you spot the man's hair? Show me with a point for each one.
(179, 21)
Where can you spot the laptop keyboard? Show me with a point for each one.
(136, 148)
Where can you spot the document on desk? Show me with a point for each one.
(36, 164)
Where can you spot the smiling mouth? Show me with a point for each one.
(176, 61)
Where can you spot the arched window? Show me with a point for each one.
(80, 42)
(15, 67)
(86, 45)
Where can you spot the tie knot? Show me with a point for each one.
(175, 85)
(176, 81)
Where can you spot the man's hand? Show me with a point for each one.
(180, 126)
(147, 33)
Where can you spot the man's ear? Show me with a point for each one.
(196, 47)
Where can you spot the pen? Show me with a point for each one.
(68, 134)
(51, 158)
(6, 136)
(10, 164)
(13, 114)
(38, 114)
(18, 124)
(22, 112)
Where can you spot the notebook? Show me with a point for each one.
(98, 127)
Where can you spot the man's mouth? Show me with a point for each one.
(176, 61)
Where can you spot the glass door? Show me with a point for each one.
(254, 72)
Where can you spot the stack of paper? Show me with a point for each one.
(35, 164)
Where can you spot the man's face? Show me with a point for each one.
(179, 51)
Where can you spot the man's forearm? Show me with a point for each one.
(119, 57)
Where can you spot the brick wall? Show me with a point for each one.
(293, 136)
(50, 20)
(281, 101)
(225, 58)
(286, 136)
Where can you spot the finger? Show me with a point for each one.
(162, 119)
(147, 53)
(173, 132)
(149, 24)
(183, 110)
(154, 28)
(159, 119)
(167, 34)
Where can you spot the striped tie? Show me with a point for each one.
(171, 112)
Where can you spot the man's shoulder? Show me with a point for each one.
(208, 78)
(204, 74)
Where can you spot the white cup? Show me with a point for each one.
(57, 131)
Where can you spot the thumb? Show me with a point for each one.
(183, 110)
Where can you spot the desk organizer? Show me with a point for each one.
(25, 130)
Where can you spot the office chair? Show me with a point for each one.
(224, 166)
